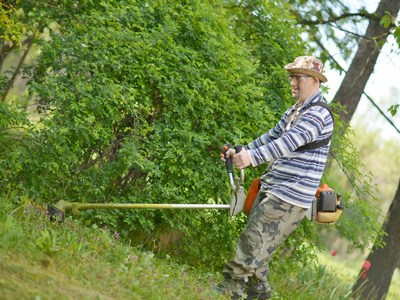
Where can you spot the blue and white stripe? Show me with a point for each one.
(294, 176)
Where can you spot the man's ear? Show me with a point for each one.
(317, 81)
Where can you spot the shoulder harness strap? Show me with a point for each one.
(315, 145)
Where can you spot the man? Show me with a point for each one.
(296, 150)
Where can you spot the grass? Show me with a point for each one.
(26, 277)
(47, 259)
(43, 259)
(349, 267)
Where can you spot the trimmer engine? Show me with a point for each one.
(326, 207)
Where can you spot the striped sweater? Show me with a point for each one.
(294, 176)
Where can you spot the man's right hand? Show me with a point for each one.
(241, 160)
(230, 152)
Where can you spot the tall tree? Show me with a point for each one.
(364, 61)
(384, 260)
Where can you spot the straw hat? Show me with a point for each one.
(307, 65)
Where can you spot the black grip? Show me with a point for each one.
(238, 148)
(228, 161)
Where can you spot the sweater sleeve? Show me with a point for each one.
(307, 130)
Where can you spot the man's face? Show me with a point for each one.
(303, 86)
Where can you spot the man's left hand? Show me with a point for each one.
(242, 159)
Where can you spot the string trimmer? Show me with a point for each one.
(237, 198)
(326, 207)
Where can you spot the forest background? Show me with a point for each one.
(91, 126)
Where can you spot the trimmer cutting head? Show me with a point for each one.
(55, 210)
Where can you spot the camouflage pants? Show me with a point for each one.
(271, 221)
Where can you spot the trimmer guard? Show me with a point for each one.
(238, 197)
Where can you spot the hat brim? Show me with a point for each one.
(312, 73)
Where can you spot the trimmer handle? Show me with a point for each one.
(229, 166)
(224, 149)
(238, 148)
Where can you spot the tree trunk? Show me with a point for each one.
(362, 66)
(383, 260)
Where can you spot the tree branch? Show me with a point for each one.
(373, 38)
(366, 95)
(10, 83)
(334, 19)
(6, 49)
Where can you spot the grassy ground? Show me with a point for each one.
(349, 267)
(42, 259)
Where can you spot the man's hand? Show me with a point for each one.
(228, 153)
(240, 160)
